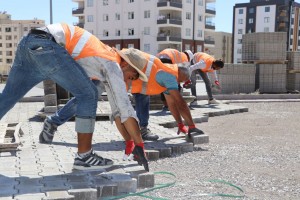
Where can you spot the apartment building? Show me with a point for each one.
(265, 16)
(149, 25)
(11, 31)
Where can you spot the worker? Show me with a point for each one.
(162, 78)
(203, 64)
(173, 56)
(71, 57)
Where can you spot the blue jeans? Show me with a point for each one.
(39, 58)
(142, 108)
(206, 80)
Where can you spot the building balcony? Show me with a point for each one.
(209, 41)
(81, 25)
(210, 25)
(163, 21)
(166, 38)
(210, 10)
(169, 4)
(77, 0)
(77, 11)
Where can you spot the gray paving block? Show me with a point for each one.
(84, 194)
(36, 196)
(58, 195)
(152, 154)
(198, 139)
(145, 180)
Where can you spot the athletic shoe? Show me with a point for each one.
(140, 157)
(194, 103)
(147, 135)
(47, 134)
(91, 161)
(213, 101)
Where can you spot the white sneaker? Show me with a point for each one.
(194, 103)
(213, 101)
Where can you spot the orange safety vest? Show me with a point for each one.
(153, 66)
(81, 44)
(175, 55)
(208, 59)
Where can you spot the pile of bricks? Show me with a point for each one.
(293, 79)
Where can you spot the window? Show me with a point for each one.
(267, 9)
(8, 37)
(130, 1)
(251, 21)
(187, 46)
(199, 33)
(266, 29)
(130, 31)
(90, 3)
(105, 33)
(25, 28)
(239, 51)
(118, 46)
(118, 17)
(239, 41)
(188, 1)
(118, 32)
(147, 47)
(147, 14)
(267, 19)
(90, 18)
(7, 29)
(130, 15)
(241, 11)
(188, 32)
(105, 17)
(146, 30)
(117, 1)
(240, 31)
(200, 2)
(200, 18)
(188, 15)
(105, 2)
(9, 53)
(15, 29)
(251, 10)
(8, 45)
(240, 21)
(130, 46)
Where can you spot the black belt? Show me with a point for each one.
(42, 33)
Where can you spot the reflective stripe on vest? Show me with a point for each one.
(80, 44)
(148, 72)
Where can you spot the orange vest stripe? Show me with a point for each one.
(208, 59)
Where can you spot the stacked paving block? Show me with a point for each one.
(50, 99)
(237, 78)
(268, 52)
(293, 79)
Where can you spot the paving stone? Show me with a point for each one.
(36, 196)
(145, 180)
(86, 194)
(152, 154)
(7, 190)
(58, 195)
(197, 139)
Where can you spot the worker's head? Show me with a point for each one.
(183, 72)
(218, 64)
(189, 55)
(132, 63)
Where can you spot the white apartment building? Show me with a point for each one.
(11, 31)
(265, 16)
(149, 25)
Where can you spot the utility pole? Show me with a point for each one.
(51, 19)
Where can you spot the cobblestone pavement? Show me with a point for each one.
(39, 171)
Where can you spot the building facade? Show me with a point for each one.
(11, 31)
(265, 16)
(149, 25)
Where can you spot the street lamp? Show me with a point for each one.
(51, 21)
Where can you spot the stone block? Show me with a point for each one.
(86, 194)
(145, 180)
(58, 195)
(152, 154)
(197, 139)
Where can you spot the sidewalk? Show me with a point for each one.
(39, 171)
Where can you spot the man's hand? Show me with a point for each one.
(193, 129)
(182, 128)
(217, 83)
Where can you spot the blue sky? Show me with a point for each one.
(62, 11)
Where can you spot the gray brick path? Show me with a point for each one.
(39, 171)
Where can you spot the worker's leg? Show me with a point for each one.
(206, 80)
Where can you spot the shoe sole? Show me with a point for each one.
(79, 167)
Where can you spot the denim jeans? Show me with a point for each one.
(206, 80)
(142, 108)
(39, 58)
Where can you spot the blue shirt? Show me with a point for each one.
(166, 80)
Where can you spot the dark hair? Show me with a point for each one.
(219, 63)
(166, 60)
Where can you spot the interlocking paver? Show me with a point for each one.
(45, 171)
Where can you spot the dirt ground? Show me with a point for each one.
(258, 151)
